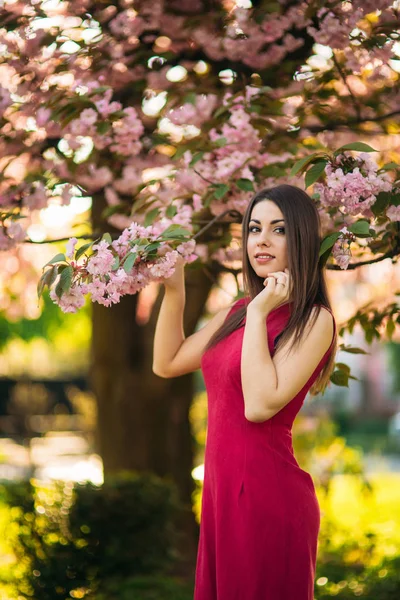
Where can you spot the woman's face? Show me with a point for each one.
(266, 235)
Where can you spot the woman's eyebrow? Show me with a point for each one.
(272, 222)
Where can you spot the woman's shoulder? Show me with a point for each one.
(240, 302)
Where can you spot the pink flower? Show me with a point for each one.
(97, 178)
(101, 262)
(341, 253)
(72, 300)
(393, 212)
(16, 232)
(71, 247)
(38, 199)
(88, 116)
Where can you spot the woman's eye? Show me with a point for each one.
(281, 229)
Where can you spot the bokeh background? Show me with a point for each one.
(101, 461)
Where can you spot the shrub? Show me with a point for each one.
(70, 538)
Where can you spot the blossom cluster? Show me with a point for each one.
(353, 183)
(236, 154)
(11, 235)
(116, 268)
(341, 248)
(109, 125)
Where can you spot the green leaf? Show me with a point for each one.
(221, 190)
(106, 238)
(196, 157)
(179, 152)
(340, 378)
(220, 111)
(65, 281)
(303, 162)
(357, 146)
(352, 349)
(152, 246)
(129, 262)
(315, 171)
(48, 278)
(245, 184)
(151, 216)
(82, 250)
(220, 142)
(190, 98)
(178, 233)
(382, 201)
(115, 264)
(343, 367)
(56, 258)
(360, 227)
(103, 127)
(328, 242)
(390, 327)
(389, 166)
(171, 211)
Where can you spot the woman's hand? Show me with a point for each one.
(277, 291)
(178, 276)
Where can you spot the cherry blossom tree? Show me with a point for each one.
(169, 115)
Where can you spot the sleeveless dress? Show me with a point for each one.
(260, 516)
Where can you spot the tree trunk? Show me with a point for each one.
(143, 419)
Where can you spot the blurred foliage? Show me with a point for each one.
(393, 351)
(369, 434)
(55, 344)
(69, 539)
(359, 540)
(118, 541)
(147, 588)
(47, 325)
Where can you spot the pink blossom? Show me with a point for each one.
(6, 243)
(42, 116)
(96, 179)
(101, 262)
(111, 196)
(88, 116)
(72, 300)
(341, 253)
(165, 266)
(105, 107)
(393, 212)
(71, 247)
(38, 198)
(17, 233)
(5, 98)
(130, 180)
(197, 203)
(186, 249)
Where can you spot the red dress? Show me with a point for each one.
(260, 515)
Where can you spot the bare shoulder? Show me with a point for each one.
(324, 324)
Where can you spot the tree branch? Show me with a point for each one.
(346, 83)
(331, 126)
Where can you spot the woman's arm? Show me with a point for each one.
(169, 333)
(270, 383)
(173, 354)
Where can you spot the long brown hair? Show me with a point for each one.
(303, 233)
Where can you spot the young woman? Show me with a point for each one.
(260, 515)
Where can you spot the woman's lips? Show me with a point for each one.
(263, 261)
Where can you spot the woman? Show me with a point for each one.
(260, 515)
